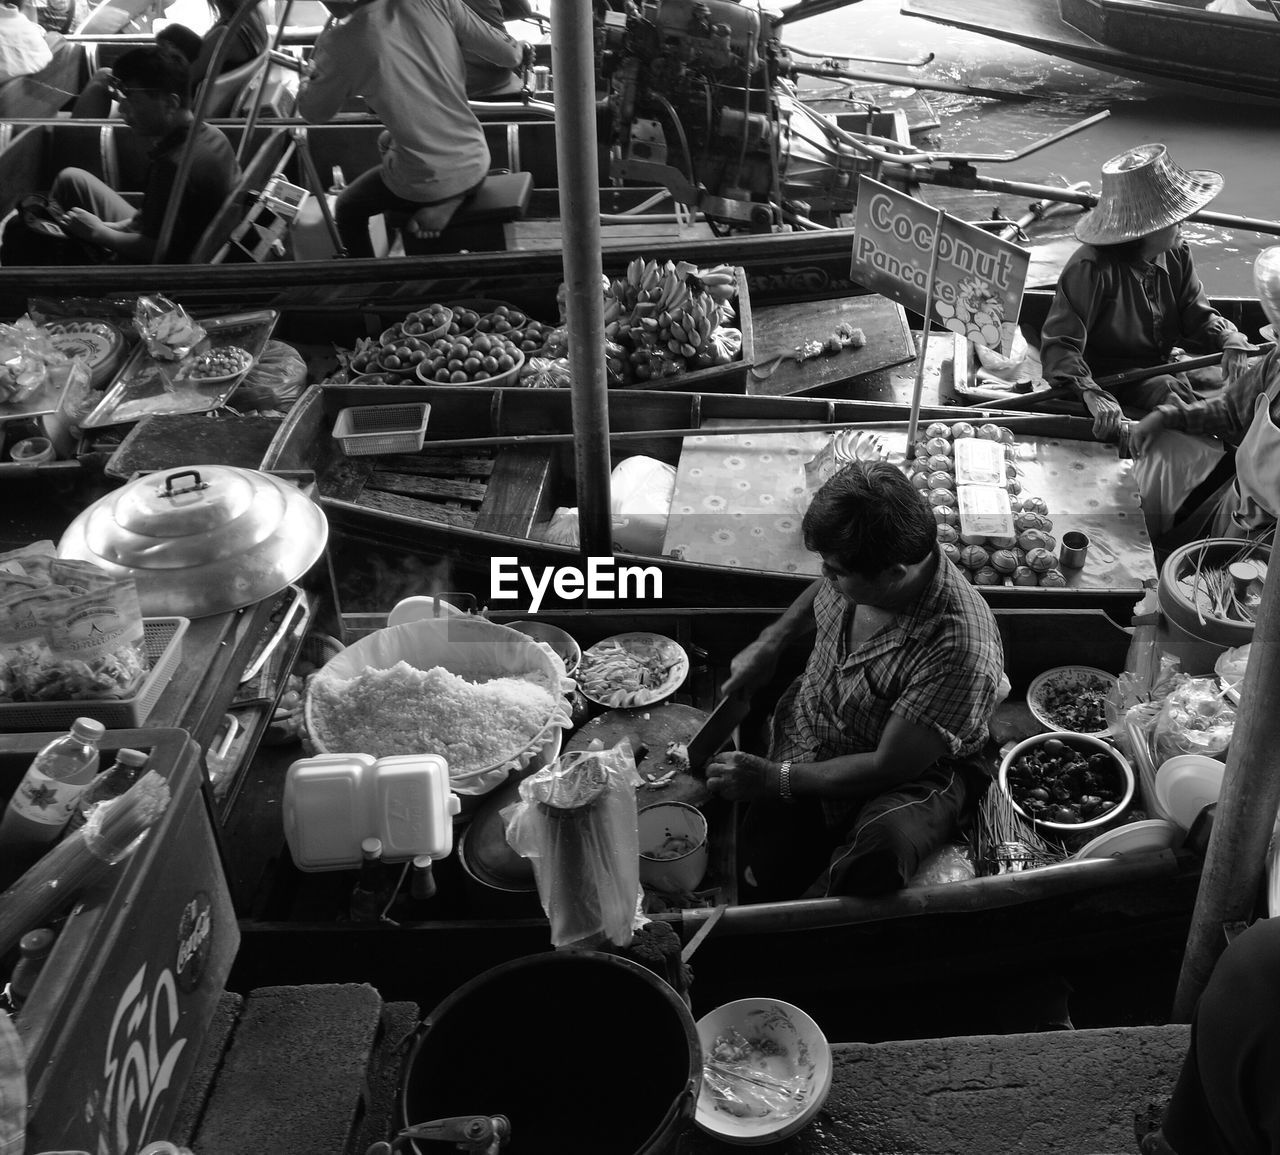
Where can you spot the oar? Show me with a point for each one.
(521, 439)
(1038, 211)
(913, 82)
(1129, 377)
(807, 8)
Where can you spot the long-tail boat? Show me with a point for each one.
(732, 535)
(1225, 55)
(871, 963)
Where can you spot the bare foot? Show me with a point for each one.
(431, 220)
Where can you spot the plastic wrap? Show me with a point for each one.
(169, 332)
(576, 823)
(949, 863)
(1230, 668)
(26, 353)
(546, 373)
(1194, 719)
(274, 383)
(743, 1077)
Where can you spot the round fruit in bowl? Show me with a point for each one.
(218, 364)
(1067, 782)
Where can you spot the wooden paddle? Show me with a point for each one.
(1031, 400)
(522, 439)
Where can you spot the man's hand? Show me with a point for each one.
(1107, 415)
(739, 777)
(527, 58)
(1145, 432)
(753, 667)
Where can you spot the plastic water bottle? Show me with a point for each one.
(46, 797)
(128, 767)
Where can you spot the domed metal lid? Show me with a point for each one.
(202, 539)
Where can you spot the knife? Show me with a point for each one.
(712, 733)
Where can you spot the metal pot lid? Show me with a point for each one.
(202, 539)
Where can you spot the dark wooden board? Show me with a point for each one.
(651, 730)
(425, 510)
(172, 441)
(783, 327)
(418, 485)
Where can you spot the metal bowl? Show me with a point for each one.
(201, 540)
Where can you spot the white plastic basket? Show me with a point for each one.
(362, 430)
(162, 641)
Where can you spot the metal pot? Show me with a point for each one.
(201, 540)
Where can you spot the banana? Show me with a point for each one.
(688, 351)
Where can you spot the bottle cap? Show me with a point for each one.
(88, 729)
(132, 757)
(37, 943)
(371, 847)
(421, 861)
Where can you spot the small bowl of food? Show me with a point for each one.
(766, 1071)
(1066, 782)
(221, 363)
(673, 847)
(1072, 698)
(636, 669)
(563, 643)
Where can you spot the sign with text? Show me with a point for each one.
(977, 288)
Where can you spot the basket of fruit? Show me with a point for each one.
(480, 359)
(502, 319)
(1068, 783)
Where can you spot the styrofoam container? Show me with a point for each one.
(333, 802)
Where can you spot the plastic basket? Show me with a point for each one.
(366, 429)
(162, 641)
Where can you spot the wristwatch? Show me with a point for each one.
(784, 780)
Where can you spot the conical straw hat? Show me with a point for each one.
(1266, 279)
(1143, 191)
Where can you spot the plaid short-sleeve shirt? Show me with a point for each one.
(938, 664)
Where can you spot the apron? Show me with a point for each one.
(1258, 470)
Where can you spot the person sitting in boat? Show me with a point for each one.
(486, 81)
(153, 85)
(873, 752)
(405, 60)
(1245, 414)
(1224, 1100)
(1130, 294)
(250, 42)
(24, 48)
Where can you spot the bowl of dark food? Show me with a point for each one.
(1066, 782)
(766, 1071)
(1072, 698)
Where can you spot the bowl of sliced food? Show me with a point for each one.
(635, 669)
(1072, 698)
(1066, 782)
(766, 1071)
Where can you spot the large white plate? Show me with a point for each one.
(1135, 838)
(1186, 784)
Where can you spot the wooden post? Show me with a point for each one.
(924, 336)
(573, 64)
(1235, 861)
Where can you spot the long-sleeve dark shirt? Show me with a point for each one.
(1228, 413)
(1108, 316)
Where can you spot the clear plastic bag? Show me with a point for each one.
(743, 1078)
(576, 823)
(168, 330)
(26, 355)
(546, 373)
(274, 383)
(949, 863)
(1194, 719)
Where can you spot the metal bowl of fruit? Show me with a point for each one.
(1067, 783)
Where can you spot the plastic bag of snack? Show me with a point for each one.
(26, 355)
(169, 332)
(274, 383)
(546, 373)
(1195, 719)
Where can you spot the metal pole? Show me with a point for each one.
(573, 65)
(918, 390)
(1234, 864)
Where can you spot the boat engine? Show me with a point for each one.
(700, 100)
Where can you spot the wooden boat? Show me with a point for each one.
(733, 532)
(867, 968)
(1169, 42)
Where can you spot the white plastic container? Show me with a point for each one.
(332, 802)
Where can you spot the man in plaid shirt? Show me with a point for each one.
(874, 748)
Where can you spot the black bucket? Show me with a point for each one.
(581, 1051)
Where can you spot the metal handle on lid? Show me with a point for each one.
(169, 490)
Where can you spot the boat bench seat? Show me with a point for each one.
(519, 493)
(478, 223)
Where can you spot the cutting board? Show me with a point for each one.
(779, 327)
(172, 441)
(651, 729)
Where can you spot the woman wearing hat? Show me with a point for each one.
(1245, 413)
(1130, 294)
